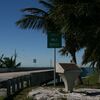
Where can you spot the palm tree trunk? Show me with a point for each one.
(73, 54)
(74, 60)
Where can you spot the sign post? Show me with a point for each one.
(54, 67)
(54, 41)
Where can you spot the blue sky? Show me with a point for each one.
(29, 44)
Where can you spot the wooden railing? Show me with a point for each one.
(15, 81)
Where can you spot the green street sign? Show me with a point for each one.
(54, 40)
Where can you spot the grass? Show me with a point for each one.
(2, 98)
(91, 81)
(23, 94)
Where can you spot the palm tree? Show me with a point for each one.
(40, 19)
(79, 18)
(92, 51)
(71, 46)
(46, 20)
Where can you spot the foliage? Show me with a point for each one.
(81, 19)
(43, 19)
(36, 18)
(2, 98)
(22, 95)
(71, 46)
(77, 20)
(92, 79)
(9, 62)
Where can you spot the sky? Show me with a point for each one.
(29, 44)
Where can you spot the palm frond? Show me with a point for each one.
(17, 65)
(2, 56)
(46, 4)
(35, 11)
(36, 22)
(63, 51)
(29, 21)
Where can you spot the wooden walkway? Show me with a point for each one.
(15, 81)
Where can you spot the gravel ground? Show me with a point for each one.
(3, 92)
(51, 93)
(47, 93)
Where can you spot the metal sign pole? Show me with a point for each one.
(54, 41)
(54, 67)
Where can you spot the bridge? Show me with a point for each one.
(16, 81)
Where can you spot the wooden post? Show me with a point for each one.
(8, 87)
(28, 80)
(18, 83)
(31, 80)
(22, 81)
(13, 83)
